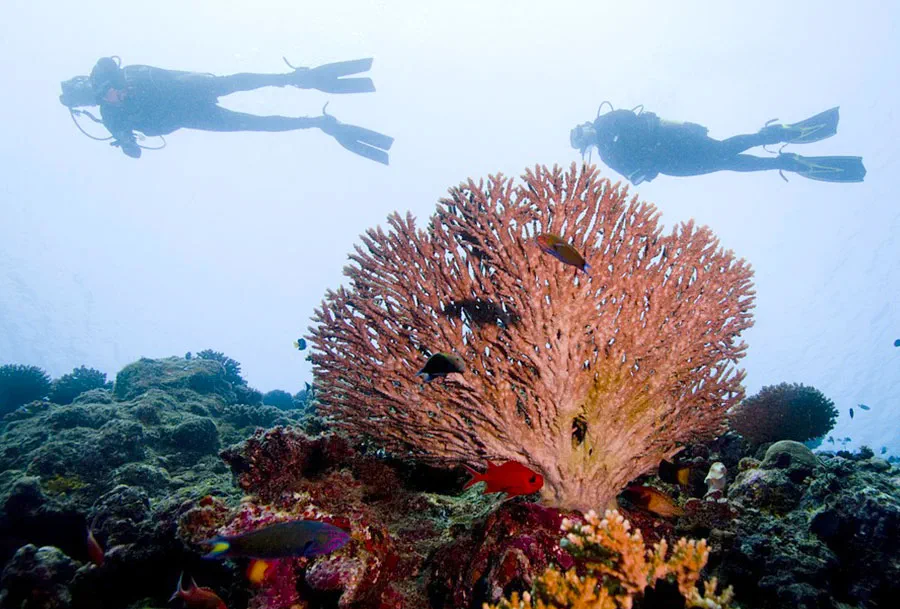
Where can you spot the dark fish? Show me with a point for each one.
(883, 449)
(674, 474)
(653, 500)
(300, 344)
(308, 386)
(557, 247)
(897, 343)
(441, 364)
(863, 407)
(851, 413)
(831, 439)
(197, 597)
(295, 538)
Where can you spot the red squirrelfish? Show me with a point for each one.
(197, 597)
(95, 552)
(511, 478)
(557, 247)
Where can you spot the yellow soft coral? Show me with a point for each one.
(619, 567)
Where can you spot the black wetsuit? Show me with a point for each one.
(641, 146)
(156, 101)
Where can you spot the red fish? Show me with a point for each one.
(511, 478)
(557, 247)
(197, 597)
(95, 552)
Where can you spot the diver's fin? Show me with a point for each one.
(826, 168)
(813, 129)
(327, 77)
(369, 152)
(364, 142)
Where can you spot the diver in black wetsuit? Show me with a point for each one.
(155, 101)
(640, 145)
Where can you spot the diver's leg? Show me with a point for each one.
(248, 81)
(739, 143)
(217, 118)
(748, 162)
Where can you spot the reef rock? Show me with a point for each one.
(813, 532)
(37, 578)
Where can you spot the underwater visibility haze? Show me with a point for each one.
(635, 267)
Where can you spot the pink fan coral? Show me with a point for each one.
(590, 380)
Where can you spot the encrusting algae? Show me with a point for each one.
(618, 568)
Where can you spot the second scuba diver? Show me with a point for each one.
(156, 101)
(639, 145)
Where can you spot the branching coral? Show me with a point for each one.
(591, 380)
(784, 412)
(21, 384)
(618, 569)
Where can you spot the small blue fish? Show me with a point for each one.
(300, 344)
(851, 413)
(863, 406)
(897, 343)
(883, 449)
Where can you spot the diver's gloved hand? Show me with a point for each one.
(130, 148)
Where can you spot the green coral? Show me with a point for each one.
(69, 386)
(21, 384)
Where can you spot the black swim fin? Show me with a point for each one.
(813, 129)
(328, 77)
(358, 140)
(825, 168)
(364, 142)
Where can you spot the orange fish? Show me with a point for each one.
(653, 501)
(95, 552)
(197, 597)
(257, 571)
(562, 251)
(511, 478)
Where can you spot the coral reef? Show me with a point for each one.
(589, 380)
(69, 386)
(784, 412)
(21, 384)
(618, 568)
(130, 463)
(794, 529)
(813, 532)
(279, 399)
(505, 553)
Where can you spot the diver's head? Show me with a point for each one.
(77, 92)
(583, 137)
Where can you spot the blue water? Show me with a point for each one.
(229, 241)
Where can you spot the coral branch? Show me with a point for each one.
(589, 379)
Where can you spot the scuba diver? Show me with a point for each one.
(639, 145)
(155, 102)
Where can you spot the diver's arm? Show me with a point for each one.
(123, 136)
